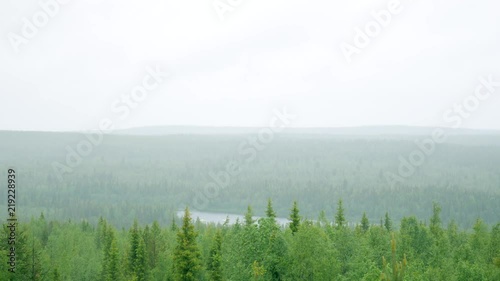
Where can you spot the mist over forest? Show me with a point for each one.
(150, 176)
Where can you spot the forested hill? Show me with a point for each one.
(362, 131)
(150, 177)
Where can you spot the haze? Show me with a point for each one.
(262, 56)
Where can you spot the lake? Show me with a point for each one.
(209, 217)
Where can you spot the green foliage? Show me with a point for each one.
(187, 264)
(249, 216)
(257, 271)
(313, 168)
(398, 268)
(496, 262)
(259, 251)
(153, 244)
(141, 266)
(435, 225)
(215, 258)
(270, 211)
(113, 268)
(294, 218)
(312, 255)
(340, 220)
(387, 222)
(365, 224)
(55, 275)
(135, 238)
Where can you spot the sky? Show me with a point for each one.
(67, 66)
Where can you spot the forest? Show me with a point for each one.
(114, 216)
(150, 177)
(324, 249)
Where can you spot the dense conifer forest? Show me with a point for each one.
(151, 177)
(324, 249)
(114, 215)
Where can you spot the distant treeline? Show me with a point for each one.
(151, 177)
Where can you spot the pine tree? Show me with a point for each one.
(365, 224)
(340, 217)
(215, 258)
(249, 216)
(294, 218)
(186, 255)
(387, 222)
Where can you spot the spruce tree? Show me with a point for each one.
(186, 255)
(101, 233)
(294, 218)
(340, 217)
(365, 224)
(28, 254)
(148, 241)
(140, 269)
(249, 216)
(113, 264)
(387, 222)
(106, 240)
(494, 245)
(215, 258)
(134, 237)
(154, 244)
(36, 267)
(173, 227)
(269, 211)
(435, 225)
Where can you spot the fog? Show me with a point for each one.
(234, 67)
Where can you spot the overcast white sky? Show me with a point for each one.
(264, 55)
